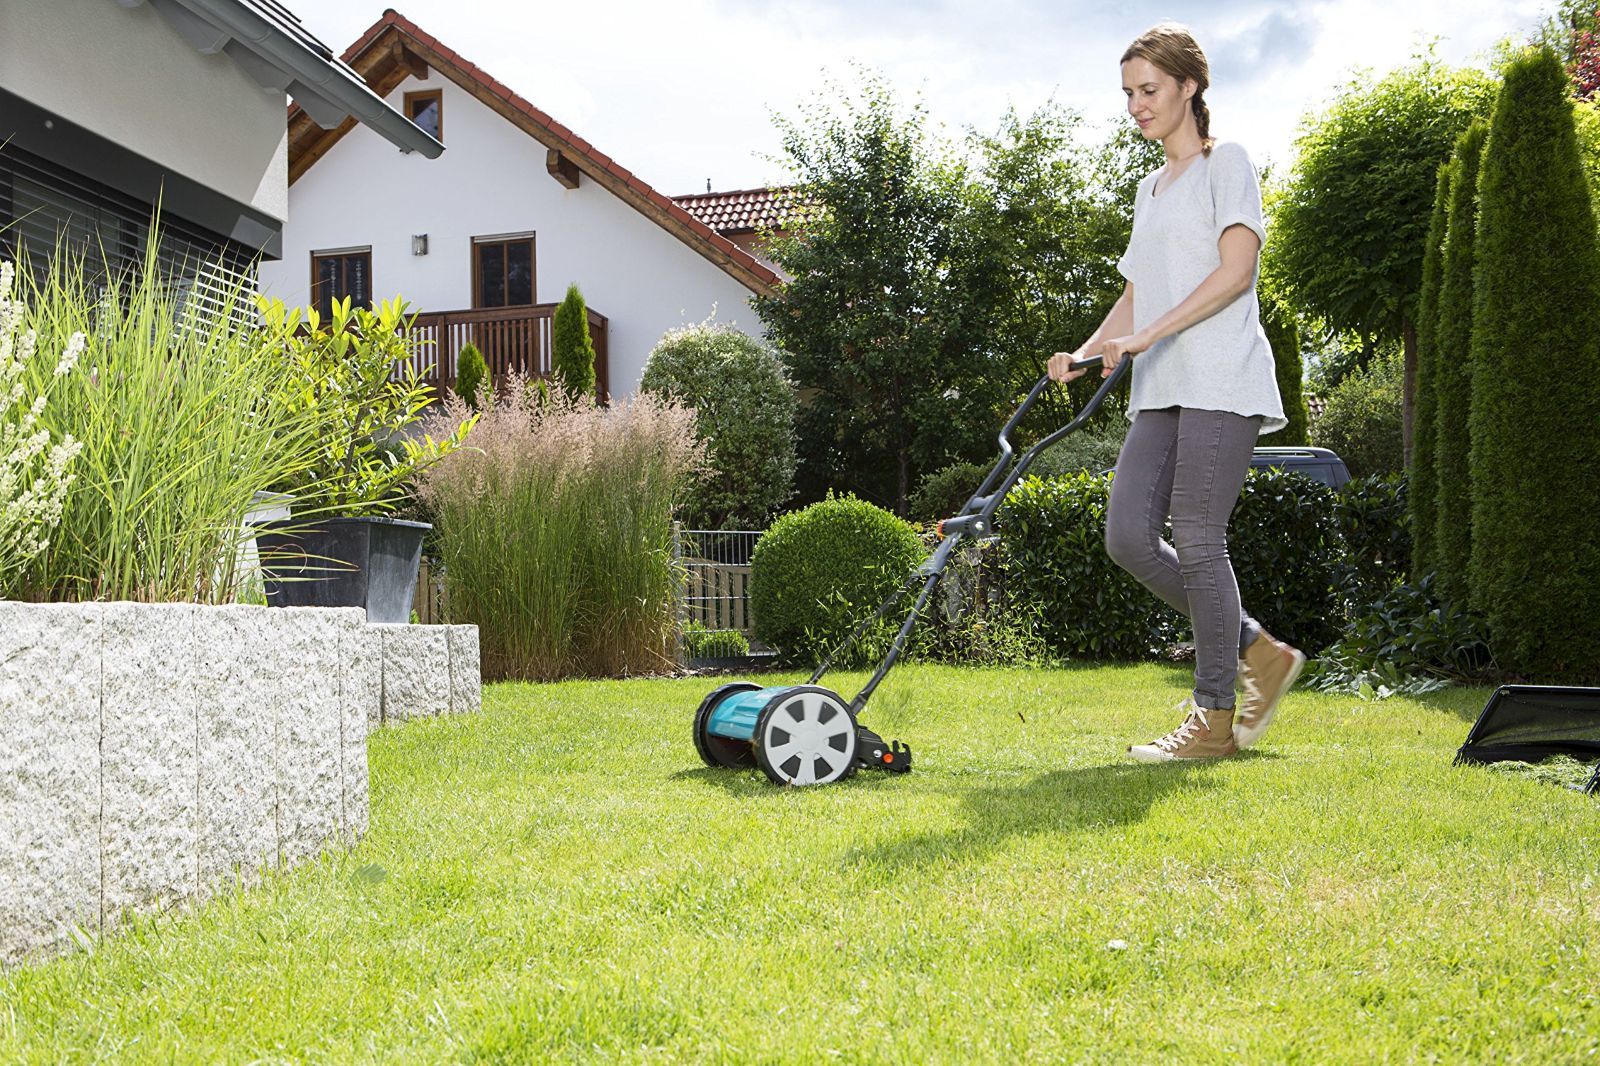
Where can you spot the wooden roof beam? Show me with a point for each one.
(561, 168)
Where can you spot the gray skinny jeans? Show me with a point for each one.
(1189, 463)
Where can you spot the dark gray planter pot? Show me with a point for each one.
(343, 562)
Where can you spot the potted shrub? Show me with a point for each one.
(358, 381)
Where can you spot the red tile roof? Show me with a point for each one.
(395, 28)
(741, 210)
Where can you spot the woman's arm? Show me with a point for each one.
(1117, 323)
(1238, 247)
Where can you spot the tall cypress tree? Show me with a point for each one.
(1423, 477)
(1452, 372)
(1535, 366)
(1283, 336)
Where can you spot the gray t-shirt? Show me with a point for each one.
(1222, 363)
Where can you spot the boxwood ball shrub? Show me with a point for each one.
(744, 410)
(817, 572)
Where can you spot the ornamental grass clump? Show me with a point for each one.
(555, 531)
(34, 474)
(173, 405)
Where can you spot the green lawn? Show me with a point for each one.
(561, 878)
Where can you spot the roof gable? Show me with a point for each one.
(394, 48)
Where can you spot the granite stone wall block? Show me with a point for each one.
(466, 676)
(310, 786)
(237, 688)
(416, 672)
(49, 775)
(148, 751)
(361, 697)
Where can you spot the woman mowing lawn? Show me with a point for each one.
(1203, 389)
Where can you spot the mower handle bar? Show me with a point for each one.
(978, 515)
(975, 519)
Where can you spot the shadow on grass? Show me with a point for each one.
(1104, 798)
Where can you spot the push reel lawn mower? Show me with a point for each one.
(810, 735)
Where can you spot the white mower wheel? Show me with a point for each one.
(806, 736)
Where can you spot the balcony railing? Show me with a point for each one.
(512, 339)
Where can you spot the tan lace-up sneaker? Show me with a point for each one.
(1266, 671)
(1204, 734)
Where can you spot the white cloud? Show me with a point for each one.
(681, 92)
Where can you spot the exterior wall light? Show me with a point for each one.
(419, 244)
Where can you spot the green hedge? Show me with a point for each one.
(1375, 525)
(1535, 572)
(1424, 431)
(1284, 540)
(817, 572)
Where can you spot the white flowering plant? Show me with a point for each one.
(35, 470)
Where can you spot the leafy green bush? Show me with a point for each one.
(1088, 451)
(470, 373)
(1283, 540)
(1408, 642)
(700, 642)
(571, 349)
(1535, 571)
(944, 492)
(1361, 420)
(339, 377)
(819, 571)
(1375, 525)
(1286, 549)
(744, 412)
(1052, 534)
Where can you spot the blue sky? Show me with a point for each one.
(682, 91)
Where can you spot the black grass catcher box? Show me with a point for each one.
(1527, 723)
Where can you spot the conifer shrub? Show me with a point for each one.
(1535, 571)
(1424, 434)
(1452, 372)
(1283, 336)
(471, 371)
(571, 348)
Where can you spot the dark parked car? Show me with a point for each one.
(1318, 464)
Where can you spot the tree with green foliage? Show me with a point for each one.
(1349, 230)
(1048, 217)
(1360, 419)
(572, 350)
(470, 373)
(894, 370)
(1452, 372)
(928, 292)
(1535, 571)
(1422, 480)
(1283, 337)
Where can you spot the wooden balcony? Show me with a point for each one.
(510, 338)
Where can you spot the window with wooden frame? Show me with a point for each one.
(503, 271)
(425, 108)
(340, 273)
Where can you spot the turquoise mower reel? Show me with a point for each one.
(810, 735)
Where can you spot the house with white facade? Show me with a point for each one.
(109, 109)
(483, 241)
